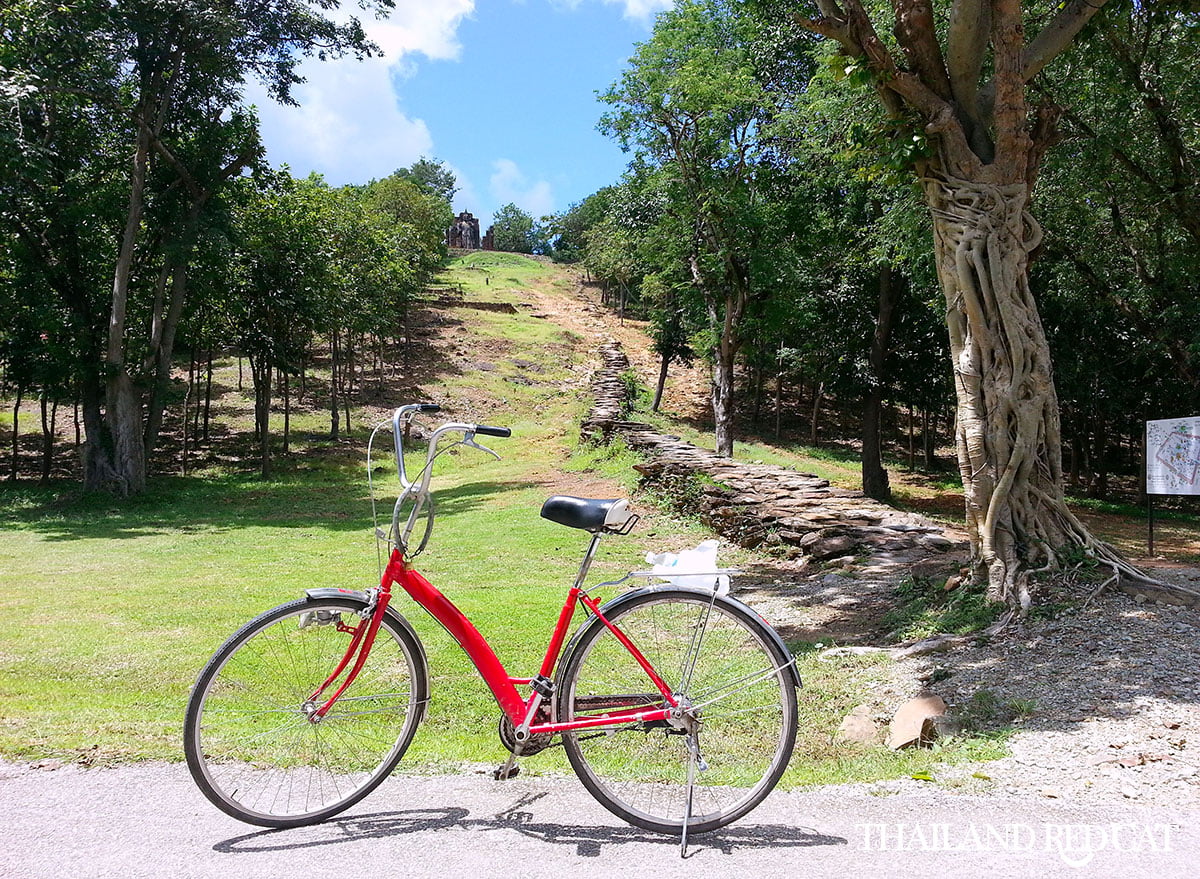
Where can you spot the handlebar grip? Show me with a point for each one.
(429, 407)
(492, 431)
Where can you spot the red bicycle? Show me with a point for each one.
(676, 706)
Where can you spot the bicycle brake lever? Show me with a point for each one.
(469, 440)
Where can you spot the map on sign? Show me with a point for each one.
(1173, 456)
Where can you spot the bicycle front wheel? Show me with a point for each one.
(730, 674)
(250, 744)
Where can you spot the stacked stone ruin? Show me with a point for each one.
(758, 504)
(463, 234)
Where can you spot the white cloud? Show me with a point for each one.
(642, 10)
(421, 26)
(637, 10)
(349, 126)
(509, 184)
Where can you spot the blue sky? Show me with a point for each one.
(502, 90)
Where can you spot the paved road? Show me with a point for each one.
(149, 821)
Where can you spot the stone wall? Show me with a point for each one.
(756, 504)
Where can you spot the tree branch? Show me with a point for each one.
(859, 38)
(917, 35)
(1050, 42)
(1056, 36)
(1012, 139)
(966, 43)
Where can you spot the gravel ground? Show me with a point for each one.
(1105, 698)
(1108, 702)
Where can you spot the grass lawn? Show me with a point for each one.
(114, 606)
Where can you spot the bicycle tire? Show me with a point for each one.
(746, 733)
(250, 746)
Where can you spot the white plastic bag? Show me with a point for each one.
(693, 568)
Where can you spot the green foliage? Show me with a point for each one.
(100, 249)
(414, 218)
(566, 232)
(513, 229)
(432, 177)
(635, 392)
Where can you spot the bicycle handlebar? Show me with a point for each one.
(492, 431)
(420, 488)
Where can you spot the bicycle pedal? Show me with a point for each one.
(505, 772)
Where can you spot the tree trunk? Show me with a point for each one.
(722, 400)
(119, 464)
(123, 420)
(758, 393)
(287, 414)
(1007, 426)
(662, 382)
(12, 474)
(778, 402)
(987, 151)
(347, 374)
(818, 392)
(49, 427)
(335, 418)
(1141, 468)
(187, 436)
(208, 392)
(912, 438)
(928, 439)
(261, 373)
(1100, 487)
(724, 315)
(379, 366)
(163, 338)
(874, 476)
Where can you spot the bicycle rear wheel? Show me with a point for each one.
(719, 659)
(250, 745)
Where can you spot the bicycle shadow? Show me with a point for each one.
(588, 841)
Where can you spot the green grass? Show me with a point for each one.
(114, 606)
(927, 609)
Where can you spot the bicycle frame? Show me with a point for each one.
(520, 711)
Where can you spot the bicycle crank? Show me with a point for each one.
(532, 745)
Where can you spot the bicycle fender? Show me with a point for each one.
(362, 597)
(615, 604)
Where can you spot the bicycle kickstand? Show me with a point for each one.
(687, 806)
(509, 769)
(695, 760)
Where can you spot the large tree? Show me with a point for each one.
(166, 77)
(692, 104)
(959, 73)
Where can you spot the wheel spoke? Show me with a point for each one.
(251, 746)
(719, 651)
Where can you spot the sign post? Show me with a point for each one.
(1172, 463)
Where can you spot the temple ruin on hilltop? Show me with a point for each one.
(463, 234)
